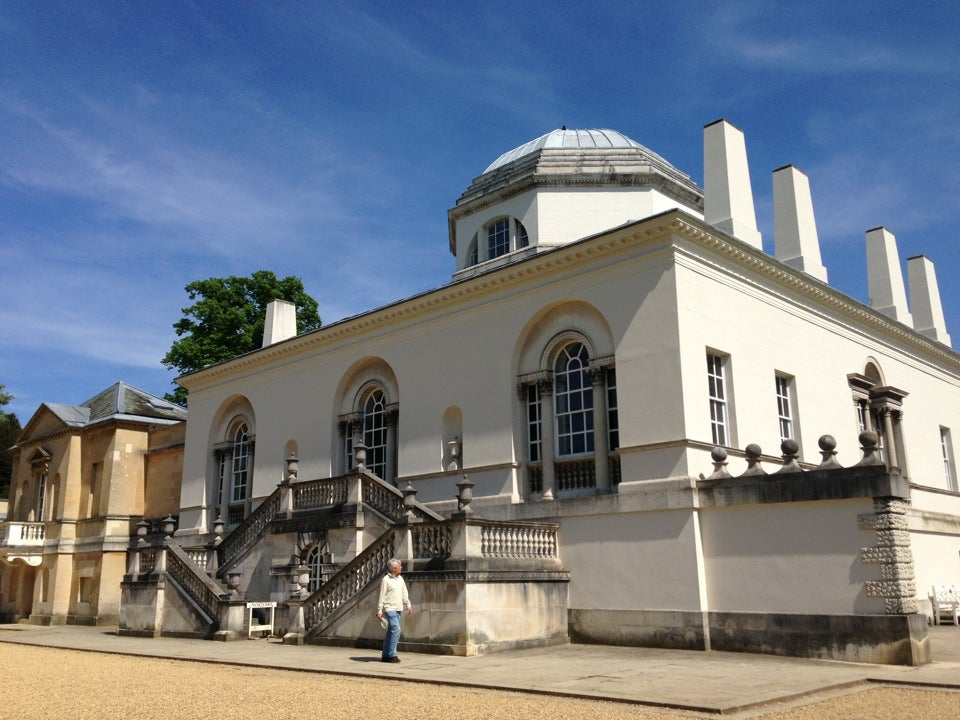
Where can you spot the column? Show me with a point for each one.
(545, 388)
(891, 448)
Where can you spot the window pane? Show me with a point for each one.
(573, 401)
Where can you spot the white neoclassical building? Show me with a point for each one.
(618, 363)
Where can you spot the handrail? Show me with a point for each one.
(246, 534)
(326, 492)
(350, 581)
(388, 500)
(204, 592)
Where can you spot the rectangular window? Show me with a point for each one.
(85, 589)
(238, 488)
(719, 422)
(946, 447)
(223, 459)
(41, 492)
(613, 419)
(533, 423)
(785, 407)
(96, 479)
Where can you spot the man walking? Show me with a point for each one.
(393, 599)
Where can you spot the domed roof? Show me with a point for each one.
(580, 159)
(572, 140)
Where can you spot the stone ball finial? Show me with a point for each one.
(719, 457)
(828, 452)
(869, 442)
(753, 453)
(789, 447)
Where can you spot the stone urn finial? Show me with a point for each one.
(465, 496)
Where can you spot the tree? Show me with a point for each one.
(227, 320)
(9, 432)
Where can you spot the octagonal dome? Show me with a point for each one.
(572, 140)
(583, 157)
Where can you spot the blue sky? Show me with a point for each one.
(144, 145)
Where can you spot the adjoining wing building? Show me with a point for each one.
(621, 421)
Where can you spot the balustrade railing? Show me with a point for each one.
(319, 493)
(198, 556)
(508, 540)
(535, 478)
(431, 540)
(575, 474)
(247, 533)
(614, 463)
(204, 592)
(347, 584)
(148, 559)
(22, 534)
(386, 500)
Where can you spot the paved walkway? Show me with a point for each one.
(713, 682)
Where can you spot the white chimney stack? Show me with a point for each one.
(884, 276)
(727, 194)
(280, 322)
(795, 238)
(925, 299)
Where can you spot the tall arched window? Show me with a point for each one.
(235, 470)
(572, 426)
(573, 398)
(314, 563)
(375, 432)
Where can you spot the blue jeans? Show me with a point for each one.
(392, 637)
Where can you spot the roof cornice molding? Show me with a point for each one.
(748, 257)
(671, 224)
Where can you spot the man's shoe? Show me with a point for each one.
(393, 659)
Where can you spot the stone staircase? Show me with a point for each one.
(224, 589)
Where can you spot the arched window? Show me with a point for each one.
(523, 240)
(235, 470)
(314, 563)
(369, 415)
(498, 238)
(572, 424)
(375, 432)
(573, 398)
(473, 256)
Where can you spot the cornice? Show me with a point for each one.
(671, 225)
(749, 258)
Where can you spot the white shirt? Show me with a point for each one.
(393, 594)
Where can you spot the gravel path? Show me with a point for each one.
(43, 683)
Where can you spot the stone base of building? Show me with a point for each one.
(880, 639)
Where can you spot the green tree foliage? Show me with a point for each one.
(226, 320)
(9, 431)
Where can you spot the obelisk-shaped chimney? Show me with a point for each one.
(795, 238)
(727, 194)
(925, 299)
(280, 322)
(884, 276)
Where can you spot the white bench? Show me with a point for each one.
(945, 600)
(254, 626)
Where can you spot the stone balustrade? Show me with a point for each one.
(22, 534)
